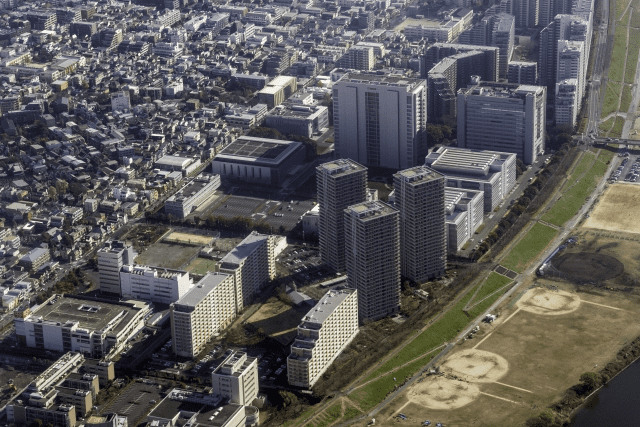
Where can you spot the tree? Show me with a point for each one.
(590, 380)
(53, 193)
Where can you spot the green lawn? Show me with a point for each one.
(632, 59)
(605, 156)
(611, 98)
(607, 124)
(350, 413)
(328, 417)
(621, 5)
(531, 245)
(625, 101)
(574, 198)
(494, 282)
(618, 55)
(616, 131)
(635, 18)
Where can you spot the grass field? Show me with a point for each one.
(632, 57)
(611, 98)
(625, 99)
(573, 199)
(621, 5)
(201, 266)
(531, 245)
(607, 124)
(494, 282)
(619, 52)
(167, 255)
(635, 18)
(328, 416)
(616, 130)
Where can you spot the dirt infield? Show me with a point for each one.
(585, 266)
(549, 303)
(616, 209)
(476, 365)
(443, 393)
(194, 239)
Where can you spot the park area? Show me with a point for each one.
(528, 247)
(544, 339)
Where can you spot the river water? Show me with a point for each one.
(616, 404)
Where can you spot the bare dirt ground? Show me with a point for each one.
(278, 320)
(167, 255)
(194, 239)
(617, 210)
(517, 366)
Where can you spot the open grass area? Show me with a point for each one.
(605, 156)
(611, 98)
(625, 100)
(607, 124)
(351, 413)
(632, 60)
(328, 417)
(582, 166)
(619, 52)
(202, 266)
(635, 18)
(571, 201)
(621, 5)
(616, 130)
(531, 245)
(494, 282)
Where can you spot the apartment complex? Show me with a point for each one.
(358, 58)
(372, 252)
(502, 117)
(160, 285)
(419, 196)
(236, 378)
(251, 264)
(89, 326)
(111, 258)
(340, 184)
(521, 72)
(203, 311)
(323, 334)
(380, 120)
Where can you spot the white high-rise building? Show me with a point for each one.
(372, 250)
(236, 378)
(207, 308)
(252, 264)
(340, 183)
(419, 196)
(323, 334)
(380, 120)
(505, 118)
(111, 258)
(567, 102)
(571, 65)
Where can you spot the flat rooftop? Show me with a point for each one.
(369, 210)
(258, 150)
(200, 290)
(382, 80)
(245, 248)
(341, 167)
(463, 161)
(323, 309)
(90, 314)
(419, 174)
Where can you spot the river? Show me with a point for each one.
(616, 404)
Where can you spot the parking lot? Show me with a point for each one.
(235, 206)
(628, 171)
(135, 401)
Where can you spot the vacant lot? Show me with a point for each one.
(617, 210)
(192, 239)
(167, 255)
(516, 367)
(531, 245)
(278, 320)
(201, 266)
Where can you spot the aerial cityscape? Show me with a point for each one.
(241, 213)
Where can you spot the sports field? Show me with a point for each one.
(202, 266)
(518, 365)
(193, 239)
(617, 210)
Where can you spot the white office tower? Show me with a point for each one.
(204, 311)
(340, 184)
(505, 118)
(252, 264)
(372, 252)
(380, 120)
(567, 103)
(571, 65)
(236, 378)
(111, 258)
(323, 334)
(161, 285)
(419, 196)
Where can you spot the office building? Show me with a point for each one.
(493, 173)
(325, 331)
(372, 252)
(205, 310)
(340, 184)
(196, 192)
(258, 160)
(485, 66)
(496, 30)
(297, 119)
(505, 118)
(236, 378)
(380, 120)
(111, 258)
(358, 58)
(159, 285)
(183, 407)
(277, 90)
(464, 214)
(523, 73)
(252, 265)
(89, 326)
(419, 196)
